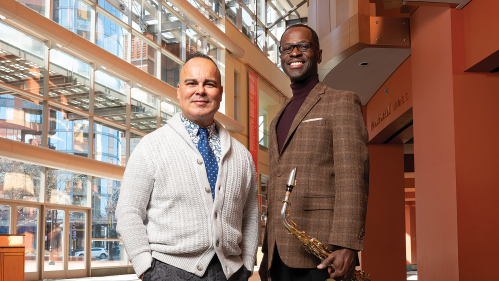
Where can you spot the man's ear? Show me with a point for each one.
(320, 56)
(178, 91)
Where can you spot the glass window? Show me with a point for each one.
(35, 5)
(267, 109)
(119, 9)
(108, 253)
(27, 225)
(144, 110)
(110, 97)
(109, 144)
(171, 33)
(145, 19)
(272, 51)
(260, 10)
(54, 243)
(260, 37)
(111, 36)
(167, 111)
(216, 6)
(247, 25)
(272, 15)
(19, 181)
(74, 15)
(143, 55)
(250, 4)
(21, 60)
(69, 80)
(68, 132)
(194, 42)
(21, 120)
(66, 188)
(105, 193)
(77, 224)
(5, 219)
(212, 51)
(231, 7)
(134, 141)
(170, 70)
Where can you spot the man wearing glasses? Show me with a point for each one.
(321, 132)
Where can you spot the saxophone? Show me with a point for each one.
(312, 245)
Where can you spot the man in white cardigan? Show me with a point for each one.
(188, 205)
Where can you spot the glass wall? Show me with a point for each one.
(21, 60)
(143, 55)
(111, 36)
(110, 97)
(144, 110)
(74, 15)
(20, 181)
(68, 132)
(66, 188)
(27, 225)
(108, 144)
(144, 18)
(69, 80)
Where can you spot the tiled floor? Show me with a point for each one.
(411, 276)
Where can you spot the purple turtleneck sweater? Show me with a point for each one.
(301, 90)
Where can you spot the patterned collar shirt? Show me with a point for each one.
(213, 139)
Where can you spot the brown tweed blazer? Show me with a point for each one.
(327, 142)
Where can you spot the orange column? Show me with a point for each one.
(455, 148)
(384, 249)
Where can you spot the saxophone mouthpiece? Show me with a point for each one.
(291, 180)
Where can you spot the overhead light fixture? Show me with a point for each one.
(2, 17)
(103, 67)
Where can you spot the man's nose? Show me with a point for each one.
(295, 52)
(200, 89)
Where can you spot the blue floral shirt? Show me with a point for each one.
(213, 139)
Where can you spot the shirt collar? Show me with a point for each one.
(193, 128)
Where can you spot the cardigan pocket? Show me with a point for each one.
(311, 203)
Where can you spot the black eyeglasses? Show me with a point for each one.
(302, 47)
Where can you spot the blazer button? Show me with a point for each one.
(208, 189)
(217, 243)
(200, 267)
(215, 215)
(200, 161)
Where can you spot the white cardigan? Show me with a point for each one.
(166, 211)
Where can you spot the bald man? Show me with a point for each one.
(188, 206)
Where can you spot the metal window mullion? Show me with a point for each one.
(91, 104)
(205, 45)
(184, 41)
(45, 87)
(239, 15)
(65, 250)
(158, 116)
(88, 231)
(41, 241)
(159, 19)
(48, 9)
(93, 24)
(128, 93)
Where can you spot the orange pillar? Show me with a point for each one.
(455, 148)
(384, 249)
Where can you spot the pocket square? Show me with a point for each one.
(313, 119)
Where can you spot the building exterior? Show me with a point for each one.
(82, 81)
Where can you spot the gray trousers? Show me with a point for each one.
(160, 271)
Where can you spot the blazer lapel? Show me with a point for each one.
(312, 98)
